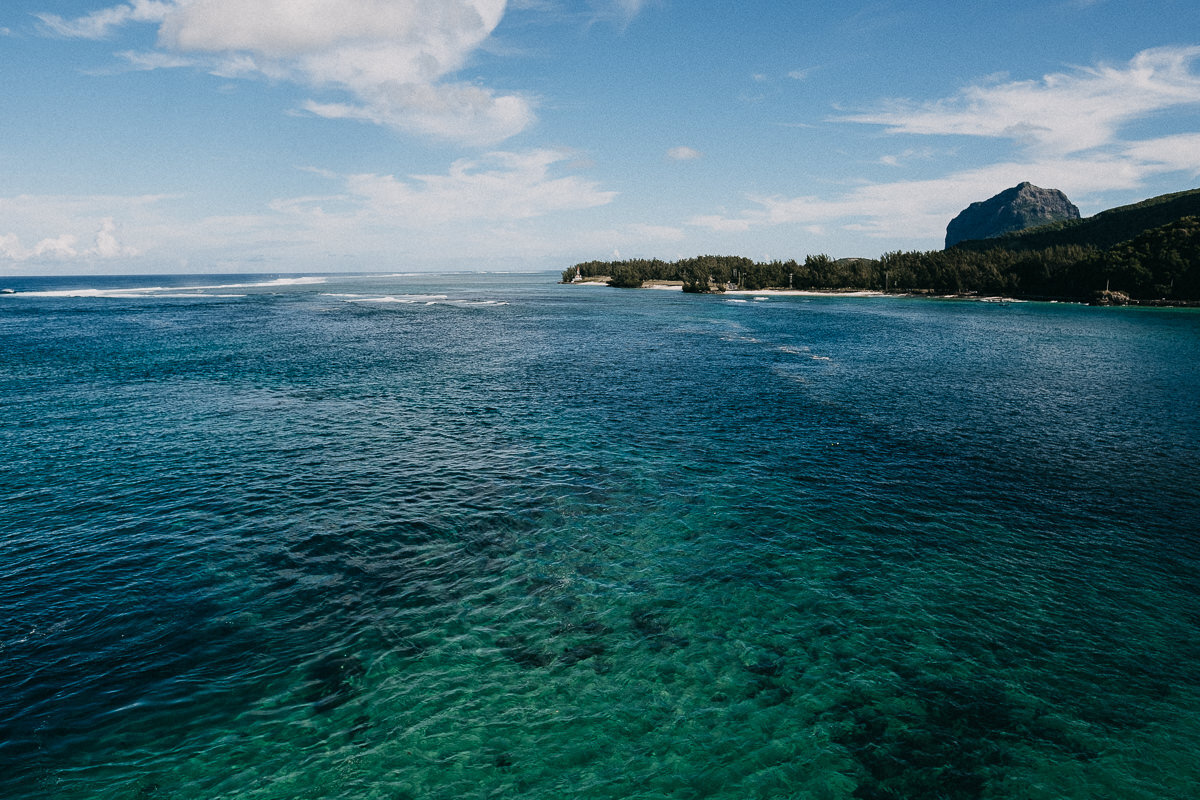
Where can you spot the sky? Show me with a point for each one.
(268, 136)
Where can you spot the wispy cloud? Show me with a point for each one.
(630, 8)
(500, 187)
(1063, 113)
(907, 156)
(519, 204)
(1180, 152)
(1066, 128)
(157, 60)
(459, 111)
(521, 200)
(684, 153)
(101, 24)
(654, 233)
(622, 11)
(920, 209)
(394, 58)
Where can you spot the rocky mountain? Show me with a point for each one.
(1023, 206)
(1101, 231)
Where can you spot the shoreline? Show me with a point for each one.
(812, 292)
(678, 286)
(926, 295)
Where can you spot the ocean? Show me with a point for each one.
(484, 535)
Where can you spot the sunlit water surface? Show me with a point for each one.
(477, 536)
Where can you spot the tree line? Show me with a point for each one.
(1162, 263)
(711, 273)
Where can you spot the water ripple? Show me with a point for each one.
(524, 542)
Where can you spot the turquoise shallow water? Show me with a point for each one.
(470, 536)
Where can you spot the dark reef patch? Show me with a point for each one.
(581, 652)
(654, 628)
(329, 681)
(526, 656)
(952, 739)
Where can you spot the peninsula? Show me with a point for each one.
(1147, 253)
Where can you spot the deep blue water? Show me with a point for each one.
(468, 536)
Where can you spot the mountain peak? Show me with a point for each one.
(1023, 206)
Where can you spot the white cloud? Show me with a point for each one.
(447, 111)
(157, 60)
(656, 233)
(107, 244)
(683, 153)
(342, 39)
(1067, 128)
(1063, 113)
(631, 8)
(100, 24)
(717, 222)
(391, 56)
(920, 209)
(622, 11)
(64, 246)
(518, 204)
(1168, 154)
(909, 155)
(500, 187)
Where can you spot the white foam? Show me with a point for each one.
(297, 281)
(417, 299)
(403, 298)
(120, 293)
(179, 295)
(133, 292)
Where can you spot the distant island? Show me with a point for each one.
(1147, 253)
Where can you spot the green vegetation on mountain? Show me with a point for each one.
(1104, 230)
(1146, 252)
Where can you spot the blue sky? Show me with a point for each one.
(397, 135)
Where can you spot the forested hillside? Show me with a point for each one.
(1103, 230)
